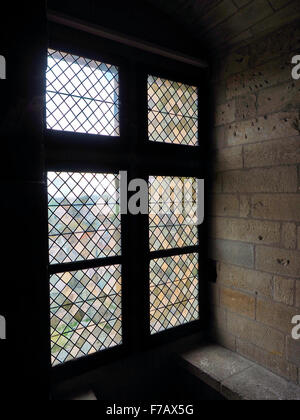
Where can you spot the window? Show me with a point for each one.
(84, 216)
(119, 280)
(86, 308)
(174, 280)
(173, 112)
(84, 224)
(82, 95)
(174, 288)
(173, 212)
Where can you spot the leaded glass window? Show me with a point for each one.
(174, 291)
(86, 312)
(84, 216)
(82, 95)
(84, 225)
(174, 280)
(95, 291)
(173, 208)
(172, 112)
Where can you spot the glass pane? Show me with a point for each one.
(172, 112)
(82, 95)
(84, 216)
(173, 212)
(174, 292)
(85, 312)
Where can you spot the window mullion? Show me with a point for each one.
(173, 252)
(83, 265)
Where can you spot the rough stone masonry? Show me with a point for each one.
(255, 220)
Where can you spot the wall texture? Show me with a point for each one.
(224, 24)
(256, 202)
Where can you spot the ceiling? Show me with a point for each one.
(225, 24)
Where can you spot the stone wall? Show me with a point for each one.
(256, 202)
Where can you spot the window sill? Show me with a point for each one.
(236, 378)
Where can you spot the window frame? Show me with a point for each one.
(141, 158)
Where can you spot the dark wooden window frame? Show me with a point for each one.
(134, 153)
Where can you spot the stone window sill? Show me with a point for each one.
(235, 377)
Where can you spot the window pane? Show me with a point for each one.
(85, 312)
(172, 112)
(173, 292)
(82, 95)
(173, 212)
(84, 216)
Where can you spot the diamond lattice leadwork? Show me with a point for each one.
(85, 312)
(172, 112)
(174, 292)
(173, 212)
(84, 216)
(82, 95)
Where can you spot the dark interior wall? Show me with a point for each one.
(135, 18)
(24, 285)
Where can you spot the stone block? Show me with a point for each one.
(278, 261)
